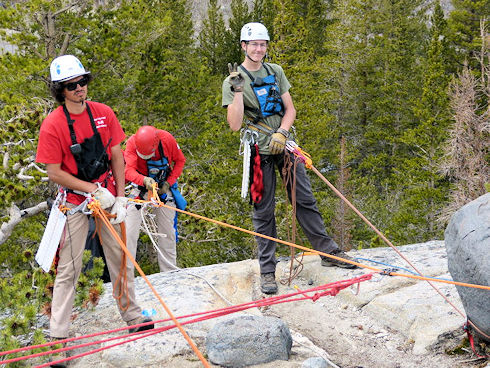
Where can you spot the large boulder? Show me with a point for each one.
(248, 340)
(467, 239)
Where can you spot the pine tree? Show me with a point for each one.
(464, 36)
(424, 189)
(211, 37)
(240, 15)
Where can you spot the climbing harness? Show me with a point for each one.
(90, 155)
(159, 170)
(267, 93)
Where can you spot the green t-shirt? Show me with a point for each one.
(250, 100)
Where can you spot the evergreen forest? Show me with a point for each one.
(392, 100)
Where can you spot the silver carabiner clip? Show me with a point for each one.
(246, 137)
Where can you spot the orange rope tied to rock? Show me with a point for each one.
(306, 158)
(98, 212)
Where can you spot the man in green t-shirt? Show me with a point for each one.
(260, 92)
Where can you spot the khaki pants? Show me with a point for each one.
(69, 268)
(164, 218)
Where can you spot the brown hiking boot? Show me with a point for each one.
(330, 262)
(138, 321)
(268, 283)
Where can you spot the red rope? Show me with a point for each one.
(471, 339)
(318, 291)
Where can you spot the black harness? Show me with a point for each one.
(90, 155)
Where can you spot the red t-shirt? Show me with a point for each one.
(136, 168)
(55, 141)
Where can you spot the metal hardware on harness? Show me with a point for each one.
(388, 271)
(247, 137)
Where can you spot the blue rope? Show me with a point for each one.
(400, 268)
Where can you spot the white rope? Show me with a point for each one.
(150, 234)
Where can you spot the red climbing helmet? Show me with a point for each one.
(146, 141)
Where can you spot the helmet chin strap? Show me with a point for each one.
(246, 55)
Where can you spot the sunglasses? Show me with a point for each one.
(73, 85)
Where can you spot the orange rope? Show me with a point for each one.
(161, 204)
(95, 207)
(309, 164)
(121, 282)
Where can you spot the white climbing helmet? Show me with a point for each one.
(254, 31)
(66, 67)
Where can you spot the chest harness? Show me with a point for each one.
(90, 155)
(268, 95)
(159, 170)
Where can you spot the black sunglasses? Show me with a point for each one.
(73, 85)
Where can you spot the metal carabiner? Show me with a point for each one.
(246, 138)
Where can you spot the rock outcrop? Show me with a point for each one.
(467, 239)
(391, 322)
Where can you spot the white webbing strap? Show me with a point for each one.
(247, 138)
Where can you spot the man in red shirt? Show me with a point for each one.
(80, 144)
(153, 156)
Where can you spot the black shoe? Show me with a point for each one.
(58, 356)
(268, 283)
(138, 321)
(330, 262)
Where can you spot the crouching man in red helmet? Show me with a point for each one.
(153, 156)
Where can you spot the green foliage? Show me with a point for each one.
(210, 40)
(465, 37)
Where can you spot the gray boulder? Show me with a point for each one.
(467, 239)
(248, 340)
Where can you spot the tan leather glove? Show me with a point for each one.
(236, 80)
(164, 188)
(148, 182)
(278, 141)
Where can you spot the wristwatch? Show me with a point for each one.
(284, 132)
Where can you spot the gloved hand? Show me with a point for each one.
(148, 182)
(164, 188)
(105, 197)
(236, 80)
(119, 209)
(278, 141)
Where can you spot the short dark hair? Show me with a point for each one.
(56, 89)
